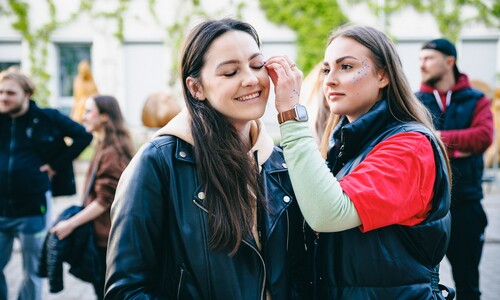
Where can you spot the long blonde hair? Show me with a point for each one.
(403, 104)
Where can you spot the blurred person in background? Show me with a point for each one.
(464, 121)
(35, 164)
(113, 151)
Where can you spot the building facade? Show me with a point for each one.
(142, 61)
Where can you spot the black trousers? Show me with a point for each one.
(99, 286)
(468, 222)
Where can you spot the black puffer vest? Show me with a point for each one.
(394, 262)
(467, 171)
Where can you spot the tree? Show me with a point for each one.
(312, 21)
(451, 15)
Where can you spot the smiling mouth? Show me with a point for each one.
(248, 97)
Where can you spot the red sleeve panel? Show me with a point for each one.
(394, 183)
(475, 139)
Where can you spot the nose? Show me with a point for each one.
(250, 78)
(422, 63)
(330, 79)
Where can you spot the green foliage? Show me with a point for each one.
(449, 14)
(176, 32)
(312, 21)
(38, 38)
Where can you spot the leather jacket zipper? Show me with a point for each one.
(180, 284)
(287, 229)
(263, 289)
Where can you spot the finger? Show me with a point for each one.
(291, 63)
(281, 60)
(272, 74)
(280, 72)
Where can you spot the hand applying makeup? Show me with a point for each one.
(287, 80)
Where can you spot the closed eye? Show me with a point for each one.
(258, 67)
(230, 74)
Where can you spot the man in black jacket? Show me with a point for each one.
(35, 164)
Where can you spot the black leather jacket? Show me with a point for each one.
(78, 249)
(158, 247)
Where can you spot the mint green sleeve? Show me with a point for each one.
(324, 205)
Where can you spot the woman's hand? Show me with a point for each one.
(287, 80)
(50, 172)
(62, 229)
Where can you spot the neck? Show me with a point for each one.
(244, 133)
(99, 135)
(446, 83)
(24, 108)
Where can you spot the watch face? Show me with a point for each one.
(301, 113)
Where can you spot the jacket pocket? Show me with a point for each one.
(186, 287)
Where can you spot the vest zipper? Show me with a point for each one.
(314, 270)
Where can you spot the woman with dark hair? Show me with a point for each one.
(379, 206)
(113, 151)
(205, 210)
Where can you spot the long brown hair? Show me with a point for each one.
(230, 178)
(403, 104)
(116, 134)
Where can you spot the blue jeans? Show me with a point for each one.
(31, 233)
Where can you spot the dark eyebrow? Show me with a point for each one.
(234, 61)
(340, 59)
(344, 58)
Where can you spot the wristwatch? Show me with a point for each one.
(297, 113)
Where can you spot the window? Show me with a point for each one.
(70, 56)
(4, 65)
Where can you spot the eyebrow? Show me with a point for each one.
(235, 61)
(340, 59)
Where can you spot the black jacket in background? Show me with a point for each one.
(78, 249)
(467, 171)
(23, 186)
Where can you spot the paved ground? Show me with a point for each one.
(74, 289)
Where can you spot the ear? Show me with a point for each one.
(195, 88)
(383, 80)
(450, 61)
(104, 118)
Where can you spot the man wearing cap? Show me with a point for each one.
(464, 121)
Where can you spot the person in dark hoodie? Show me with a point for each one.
(463, 119)
(205, 210)
(379, 204)
(35, 164)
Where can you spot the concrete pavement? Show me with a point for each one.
(75, 289)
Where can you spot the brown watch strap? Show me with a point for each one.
(287, 115)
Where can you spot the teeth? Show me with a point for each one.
(248, 97)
